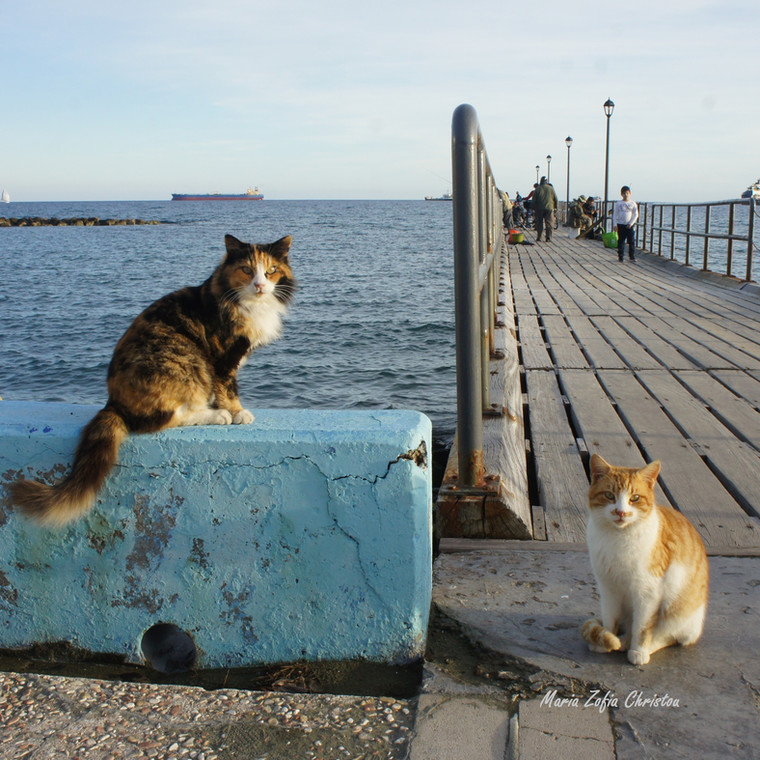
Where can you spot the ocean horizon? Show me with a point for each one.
(371, 325)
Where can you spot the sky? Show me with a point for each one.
(354, 100)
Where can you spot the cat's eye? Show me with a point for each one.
(609, 495)
(271, 270)
(634, 498)
(247, 271)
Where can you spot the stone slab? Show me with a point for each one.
(699, 701)
(548, 732)
(303, 536)
(455, 727)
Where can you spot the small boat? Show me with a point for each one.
(5, 197)
(252, 194)
(753, 191)
(444, 197)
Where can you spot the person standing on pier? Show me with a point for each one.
(624, 218)
(544, 206)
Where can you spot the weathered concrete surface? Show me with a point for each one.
(528, 605)
(305, 535)
(550, 733)
(52, 718)
(452, 727)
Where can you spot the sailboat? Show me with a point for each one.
(5, 197)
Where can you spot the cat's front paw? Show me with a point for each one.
(221, 417)
(243, 417)
(638, 656)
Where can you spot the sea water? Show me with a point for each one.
(371, 325)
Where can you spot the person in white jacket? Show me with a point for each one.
(624, 218)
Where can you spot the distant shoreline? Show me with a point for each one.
(80, 221)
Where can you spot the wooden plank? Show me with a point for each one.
(563, 346)
(522, 297)
(663, 351)
(461, 545)
(672, 329)
(690, 483)
(500, 508)
(735, 463)
(741, 383)
(562, 478)
(581, 301)
(596, 420)
(633, 353)
(732, 355)
(534, 352)
(733, 411)
(504, 435)
(599, 352)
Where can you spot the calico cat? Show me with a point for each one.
(649, 562)
(175, 365)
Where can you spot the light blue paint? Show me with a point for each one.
(305, 535)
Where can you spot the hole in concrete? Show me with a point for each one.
(168, 649)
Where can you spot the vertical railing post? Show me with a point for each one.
(465, 170)
(484, 204)
(730, 250)
(706, 256)
(750, 238)
(644, 234)
(688, 234)
(659, 235)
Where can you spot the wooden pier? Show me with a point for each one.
(636, 362)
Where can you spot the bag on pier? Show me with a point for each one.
(610, 239)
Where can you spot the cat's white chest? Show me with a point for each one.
(264, 320)
(621, 557)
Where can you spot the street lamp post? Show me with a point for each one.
(548, 168)
(609, 107)
(568, 142)
(537, 168)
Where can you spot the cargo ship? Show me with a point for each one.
(252, 194)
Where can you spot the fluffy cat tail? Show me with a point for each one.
(95, 457)
(599, 638)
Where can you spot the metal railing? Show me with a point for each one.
(706, 232)
(478, 238)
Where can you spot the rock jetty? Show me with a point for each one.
(78, 221)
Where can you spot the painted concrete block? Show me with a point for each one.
(303, 536)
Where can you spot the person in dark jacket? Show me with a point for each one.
(544, 206)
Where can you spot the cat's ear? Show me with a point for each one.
(650, 472)
(280, 248)
(599, 467)
(232, 243)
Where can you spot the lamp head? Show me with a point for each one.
(609, 107)
(568, 141)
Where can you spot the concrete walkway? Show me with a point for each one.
(517, 683)
(523, 606)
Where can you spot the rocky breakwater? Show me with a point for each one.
(78, 221)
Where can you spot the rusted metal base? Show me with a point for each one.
(478, 512)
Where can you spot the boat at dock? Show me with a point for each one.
(252, 194)
(753, 191)
(444, 197)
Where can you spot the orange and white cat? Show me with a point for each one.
(649, 562)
